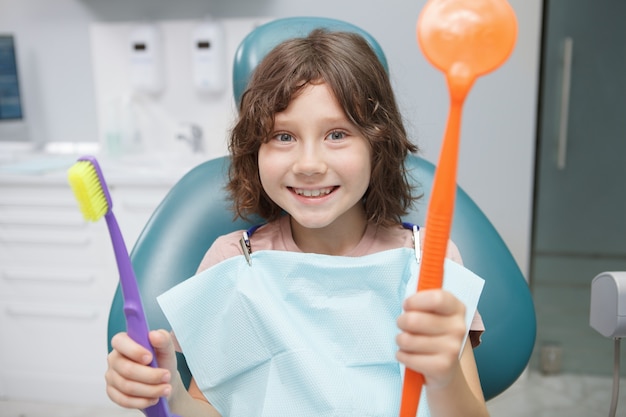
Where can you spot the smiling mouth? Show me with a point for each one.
(318, 192)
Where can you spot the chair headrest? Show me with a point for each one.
(264, 38)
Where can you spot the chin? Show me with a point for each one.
(312, 223)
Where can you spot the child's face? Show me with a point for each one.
(316, 166)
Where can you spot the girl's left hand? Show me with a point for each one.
(432, 329)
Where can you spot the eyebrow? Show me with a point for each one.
(326, 120)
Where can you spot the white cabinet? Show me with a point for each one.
(57, 279)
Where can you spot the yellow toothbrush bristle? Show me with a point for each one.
(85, 183)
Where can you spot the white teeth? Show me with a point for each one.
(313, 193)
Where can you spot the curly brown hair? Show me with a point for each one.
(351, 69)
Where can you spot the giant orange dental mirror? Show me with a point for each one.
(464, 39)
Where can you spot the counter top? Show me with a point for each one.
(154, 169)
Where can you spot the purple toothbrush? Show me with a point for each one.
(93, 184)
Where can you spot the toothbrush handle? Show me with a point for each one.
(136, 323)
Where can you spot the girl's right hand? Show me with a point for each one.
(131, 381)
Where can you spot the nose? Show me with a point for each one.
(310, 160)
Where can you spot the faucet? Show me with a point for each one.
(192, 134)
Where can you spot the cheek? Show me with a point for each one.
(363, 169)
(365, 175)
(356, 171)
(268, 167)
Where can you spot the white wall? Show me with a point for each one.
(498, 133)
(160, 116)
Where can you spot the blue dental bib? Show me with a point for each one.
(295, 334)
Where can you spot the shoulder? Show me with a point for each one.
(453, 253)
(399, 236)
(224, 247)
(388, 237)
(269, 236)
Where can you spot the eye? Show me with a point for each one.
(283, 137)
(336, 135)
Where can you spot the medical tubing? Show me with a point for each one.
(136, 324)
(438, 225)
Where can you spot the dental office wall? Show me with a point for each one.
(498, 134)
(63, 48)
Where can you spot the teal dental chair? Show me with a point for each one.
(195, 213)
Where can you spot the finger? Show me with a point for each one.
(124, 345)
(423, 364)
(423, 323)
(135, 371)
(163, 345)
(137, 388)
(129, 401)
(428, 345)
(418, 344)
(437, 369)
(434, 301)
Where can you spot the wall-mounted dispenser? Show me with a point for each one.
(209, 57)
(607, 312)
(146, 59)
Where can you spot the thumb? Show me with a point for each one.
(164, 351)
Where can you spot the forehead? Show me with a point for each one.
(315, 105)
(314, 99)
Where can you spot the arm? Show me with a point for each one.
(432, 333)
(132, 383)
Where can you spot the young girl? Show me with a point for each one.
(318, 151)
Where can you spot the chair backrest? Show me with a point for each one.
(196, 212)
